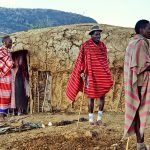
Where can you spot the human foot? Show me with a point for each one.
(91, 122)
(142, 146)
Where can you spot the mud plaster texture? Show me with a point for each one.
(53, 51)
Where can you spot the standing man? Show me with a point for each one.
(5, 76)
(91, 68)
(137, 83)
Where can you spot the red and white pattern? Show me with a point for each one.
(137, 59)
(5, 92)
(5, 62)
(13, 104)
(5, 80)
(92, 59)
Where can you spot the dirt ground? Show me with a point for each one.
(70, 137)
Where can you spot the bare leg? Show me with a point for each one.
(19, 111)
(91, 109)
(13, 111)
(137, 129)
(91, 105)
(100, 112)
(137, 122)
(101, 103)
(2, 117)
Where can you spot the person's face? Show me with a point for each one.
(8, 42)
(96, 36)
(146, 31)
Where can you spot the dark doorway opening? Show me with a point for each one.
(20, 85)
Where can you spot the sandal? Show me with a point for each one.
(91, 123)
(100, 123)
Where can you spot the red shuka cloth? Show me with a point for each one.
(5, 80)
(5, 62)
(92, 59)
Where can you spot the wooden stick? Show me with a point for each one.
(127, 146)
(27, 56)
(50, 92)
(81, 103)
(48, 96)
(45, 93)
(30, 85)
(61, 94)
(113, 91)
(38, 93)
(35, 93)
(30, 91)
(119, 99)
(31, 102)
(38, 102)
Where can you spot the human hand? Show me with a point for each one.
(83, 77)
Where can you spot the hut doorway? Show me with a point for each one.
(20, 84)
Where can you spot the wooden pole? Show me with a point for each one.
(31, 101)
(27, 56)
(61, 96)
(38, 94)
(119, 99)
(45, 92)
(38, 101)
(30, 85)
(127, 146)
(113, 91)
(81, 103)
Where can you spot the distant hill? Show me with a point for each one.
(13, 20)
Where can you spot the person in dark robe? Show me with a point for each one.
(21, 84)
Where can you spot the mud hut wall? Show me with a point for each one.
(56, 49)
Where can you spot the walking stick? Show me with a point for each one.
(81, 103)
(127, 146)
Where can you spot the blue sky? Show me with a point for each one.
(114, 12)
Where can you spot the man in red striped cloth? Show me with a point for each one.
(137, 83)
(5, 76)
(92, 68)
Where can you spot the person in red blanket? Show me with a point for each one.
(92, 68)
(6, 64)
